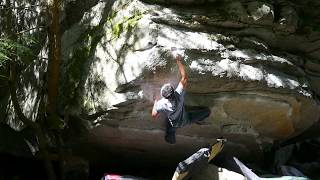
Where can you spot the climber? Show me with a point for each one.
(172, 105)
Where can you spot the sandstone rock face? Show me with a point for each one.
(259, 78)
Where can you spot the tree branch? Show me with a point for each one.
(14, 98)
(24, 31)
(5, 7)
(36, 127)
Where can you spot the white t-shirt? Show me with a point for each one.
(173, 108)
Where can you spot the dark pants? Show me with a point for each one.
(191, 116)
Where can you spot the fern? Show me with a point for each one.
(9, 48)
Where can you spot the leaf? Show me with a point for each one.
(3, 77)
(3, 59)
(10, 48)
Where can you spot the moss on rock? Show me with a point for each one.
(127, 24)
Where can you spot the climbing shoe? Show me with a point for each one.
(216, 148)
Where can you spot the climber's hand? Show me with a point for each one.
(155, 97)
(178, 58)
(177, 52)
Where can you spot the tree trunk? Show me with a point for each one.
(54, 56)
(11, 33)
(54, 70)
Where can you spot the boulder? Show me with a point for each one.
(256, 95)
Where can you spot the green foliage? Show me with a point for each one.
(128, 23)
(117, 30)
(14, 51)
(133, 20)
(112, 15)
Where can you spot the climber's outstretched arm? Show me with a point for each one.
(184, 76)
(154, 112)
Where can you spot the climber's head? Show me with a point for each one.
(167, 91)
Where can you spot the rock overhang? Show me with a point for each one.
(256, 94)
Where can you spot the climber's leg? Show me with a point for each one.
(170, 136)
(194, 116)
